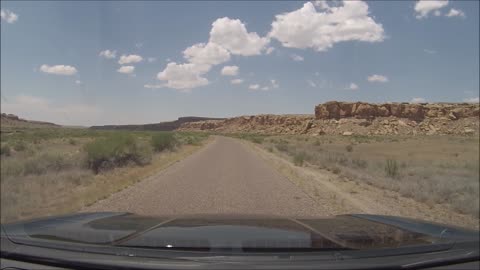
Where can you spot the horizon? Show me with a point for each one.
(119, 63)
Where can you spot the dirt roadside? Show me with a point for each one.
(342, 196)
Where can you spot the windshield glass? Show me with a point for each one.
(240, 124)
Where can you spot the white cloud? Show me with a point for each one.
(126, 69)
(269, 50)
(296, 57)
(229, 71)
(424, 7)
(232, 35)
(377, 78)
(254, 87)
(430, 51)
(151, 59)
(153, 86)
(58, 70)
(472, 100)
(8, 16)
(38, 108)
(274, 84)
(183, 76)
(265, 88)
(455, 13)
(352, 86)
(129, 59)
(236, 81)
(78, 82)
(311, 83)
(307, 28)
(139, 45)
(418, 100)
(108, 54)
(206, 54)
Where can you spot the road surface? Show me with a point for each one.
(225, 177)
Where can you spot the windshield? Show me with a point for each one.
(240, 125)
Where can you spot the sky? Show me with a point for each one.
(94, 63)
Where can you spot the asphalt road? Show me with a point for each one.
(225, 177)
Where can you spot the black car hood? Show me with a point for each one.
(215, 232)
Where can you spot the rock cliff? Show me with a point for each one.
(356, 118)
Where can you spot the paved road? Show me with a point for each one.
(224, 177)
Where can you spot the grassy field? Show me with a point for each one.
(51, 171)
(431, 169)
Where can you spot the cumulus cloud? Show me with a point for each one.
(352, 86)
(296, 57)
(78, 82)
(39, 108)
(311, 83)
(377, 78)
(254, 87)
(126, 69)
(227, 37)
(229, 71)
(8, 16)
(236, 81)
(455, 13)
(274, 84)
(424, 7)
(269, 50)
(232, 35)
(183, 76)
(58, 70)
(129, 59)
(472, 100)
(308, 28)
(418, 100)
(108, 54)
(153, 86)
(206, 54)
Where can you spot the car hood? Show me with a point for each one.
(237, 232)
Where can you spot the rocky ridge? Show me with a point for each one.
(356, 118)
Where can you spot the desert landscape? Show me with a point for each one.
(414, 160)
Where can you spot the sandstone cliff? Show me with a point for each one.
(345, 118)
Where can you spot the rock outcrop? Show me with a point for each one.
(416, 112)
(356, 118)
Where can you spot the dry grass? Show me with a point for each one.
(51, 176)
(442, 170)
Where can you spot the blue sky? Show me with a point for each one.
(286, 57)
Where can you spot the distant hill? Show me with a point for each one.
(162, 126)
(13, 121)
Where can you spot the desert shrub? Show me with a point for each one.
(281, 147)
(317, 143)
(360, 163)
(163, 141)
(5, 150)
(336, 170)
(45, 162)
(20, 146)
(116, 150)
(257, 139)
(299, 158)
(391, 168)
(270, 149)
(349, 148)
(72, 141)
